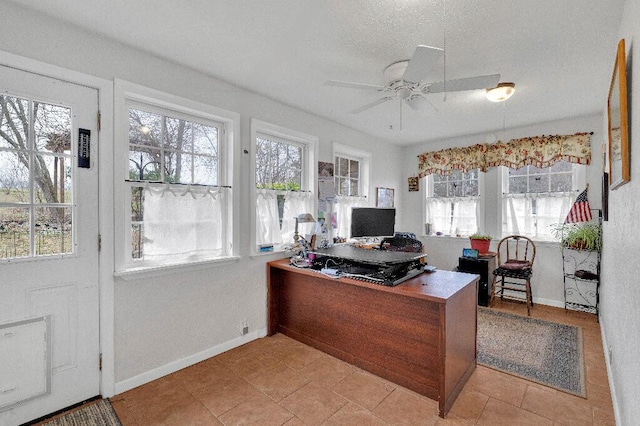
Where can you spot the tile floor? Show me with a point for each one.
(277, 380)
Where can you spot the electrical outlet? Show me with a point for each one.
(610, 354)
(245, 327)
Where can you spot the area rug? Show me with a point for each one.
(541, 351)
(100, 413)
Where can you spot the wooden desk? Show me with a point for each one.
(420, 334)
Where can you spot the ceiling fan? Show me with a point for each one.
(409, 81)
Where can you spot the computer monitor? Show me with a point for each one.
(372, 222)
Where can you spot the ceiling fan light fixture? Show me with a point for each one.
(501, 92)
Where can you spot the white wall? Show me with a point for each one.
(166, 321)
(620, 295)
(443, 252)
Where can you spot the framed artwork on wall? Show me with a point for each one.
(618, 124)
(384, 197)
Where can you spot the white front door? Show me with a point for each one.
(49, 305)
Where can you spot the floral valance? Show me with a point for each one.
(540, 151)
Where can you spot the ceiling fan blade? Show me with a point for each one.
(470, 83)
(416, 102)
(371, 104)
(424, 62)
(351, 85)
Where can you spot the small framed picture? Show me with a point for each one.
(384, 197)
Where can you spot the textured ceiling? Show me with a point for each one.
(559, 53)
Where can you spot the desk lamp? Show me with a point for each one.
(302, 218)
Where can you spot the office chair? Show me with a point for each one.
(516, 254)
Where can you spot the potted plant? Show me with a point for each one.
(579, 236)
(480, 242)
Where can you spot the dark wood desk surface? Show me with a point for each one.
(420, 334)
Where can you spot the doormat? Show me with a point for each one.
(541, 351)
(100, 413)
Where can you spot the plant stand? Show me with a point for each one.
(581, 270)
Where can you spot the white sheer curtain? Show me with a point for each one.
(448, 214)
(267, 217)
(533, 214)
(295, 203)
(344, 204)
(466, 215)
(438, 214)
(182, 224)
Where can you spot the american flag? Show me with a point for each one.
(581, 210)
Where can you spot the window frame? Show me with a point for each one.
(578, 182)
(127, 94)
(427, 192)
(308, 176)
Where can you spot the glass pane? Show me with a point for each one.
(177, 167)
(353, 184)
(144, 164)
(539, 183)
(294, 156)
(440, 189)
(53, 230)
(205, 139)
(14, 178)
(456, 175)
(470, 188)
(205, 170)
(533, 170)
(560, 166)
(14, 232)
(52, 179)
(343, 166)
(177, 135)
(14, 122)
(455, 189)
(560, 182)
(518, 172)
(518, 185)
(145, 128)
(354, 170)
(52, 128)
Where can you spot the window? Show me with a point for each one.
(452, 203)
(536, 198)
(36, 178)
(177, 181)
(283, 174)
(351, 175)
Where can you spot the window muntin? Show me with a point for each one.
(534, 199)
(36, 178)
(176, 157)
(347, 175)
(452, 203)
(175, 150)
(279, 163)
(283, 173)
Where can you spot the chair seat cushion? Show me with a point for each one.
(516, 265)
(523, 273)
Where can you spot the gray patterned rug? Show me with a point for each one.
(541, 351)
(98, 414)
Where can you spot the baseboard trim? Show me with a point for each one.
(179, 364)
(607, 361)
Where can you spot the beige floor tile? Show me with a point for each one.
(250, 364)
(558, 406)
(313, 404)
(226, 394)
(278, 382)
(499, 413)
(260, 410)
(405, 408)
(364, 389)
(496, 384)
(353, 414)
(298, 357)
(469, 405)
(327, 370)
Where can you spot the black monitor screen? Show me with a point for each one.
(372, 222)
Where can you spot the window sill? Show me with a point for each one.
(143, 272)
